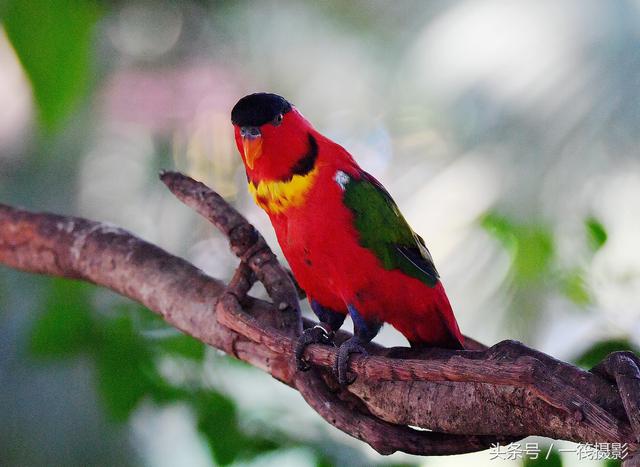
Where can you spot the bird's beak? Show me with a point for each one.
(251, 145)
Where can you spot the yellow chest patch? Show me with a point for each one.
(276, 197)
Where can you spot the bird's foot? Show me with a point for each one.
(341, 368)
(319, 334)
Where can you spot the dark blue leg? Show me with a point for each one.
(323, 333)
(363, 332)
(326, 315)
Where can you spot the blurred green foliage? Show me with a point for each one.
(65, 327)
(601, 349)
(596, 234)
(127, 346)
(218, 421)
(126, 364)
(531, 247)
(53, 40)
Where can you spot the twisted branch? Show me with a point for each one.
(469, 399)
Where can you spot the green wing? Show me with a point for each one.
(384, 230)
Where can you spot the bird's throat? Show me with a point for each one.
(277, 196)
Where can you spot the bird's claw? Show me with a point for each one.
(341, 368)
(319, 334)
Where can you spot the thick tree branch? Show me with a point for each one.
(259, 262)
(504, 392)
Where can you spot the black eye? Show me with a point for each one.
(278, 120)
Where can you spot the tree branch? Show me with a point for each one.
(469, 398)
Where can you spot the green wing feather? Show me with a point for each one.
(385, 232)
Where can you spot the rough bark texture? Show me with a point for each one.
(469, 399)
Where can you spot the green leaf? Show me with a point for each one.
(531, 246)
(126, 371)
(554, 460)
(323, 461)
(535, 253)
(502, 229)
(53, 40)
(160, 336)
(66, 327)
(573, 286)
(181, 345)
(599, 350)
(596, 233)
(218, 422)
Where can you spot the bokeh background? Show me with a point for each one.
(508, 133)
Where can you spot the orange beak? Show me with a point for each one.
(252, 148)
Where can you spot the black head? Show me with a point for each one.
(257, 109)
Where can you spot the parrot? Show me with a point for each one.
(347, 244)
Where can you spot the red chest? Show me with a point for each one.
(320, 243)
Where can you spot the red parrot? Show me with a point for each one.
(348, 245)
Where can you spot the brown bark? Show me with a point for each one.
(469, 399)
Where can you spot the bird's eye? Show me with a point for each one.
(278, 120)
